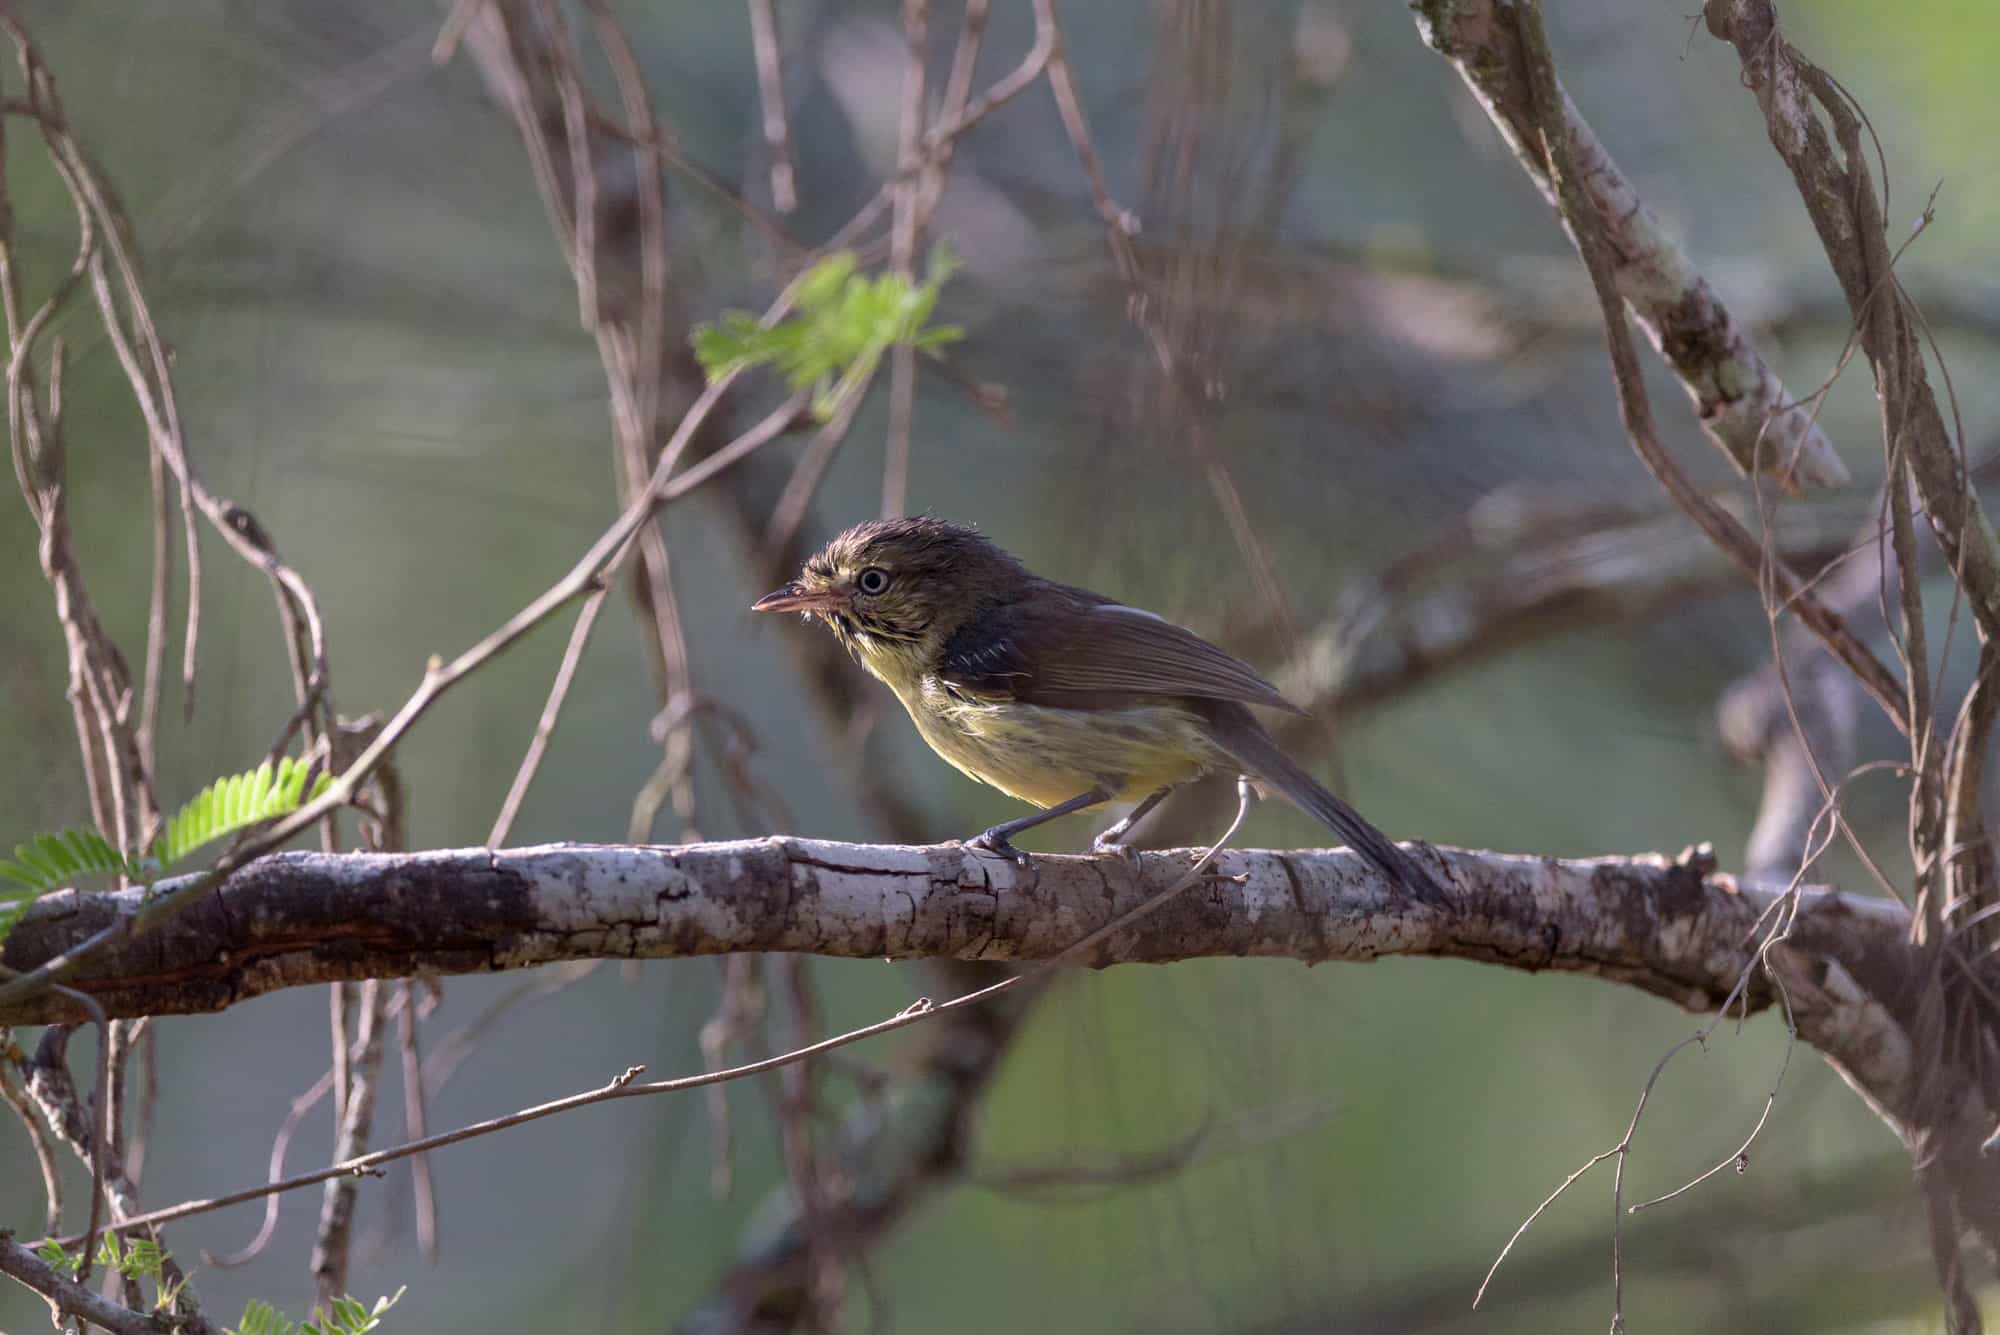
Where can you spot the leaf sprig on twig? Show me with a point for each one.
(224, 807)
(845, 322)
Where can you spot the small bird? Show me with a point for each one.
(1055, 695)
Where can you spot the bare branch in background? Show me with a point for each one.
(1948, 1115)
(1742, 404)
(907, 1141)
(357, 1115)
(1840, 197)
(905, 235)
(1801, 735)
(1716, 1246)
(1496, 42)
(1190, 391)
(16, 1098)
(545, 726)
(72, 1121)
(771, 95)
(1521, 563)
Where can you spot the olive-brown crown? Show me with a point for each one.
(911, 579)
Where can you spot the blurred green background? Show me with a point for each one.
(378, 353)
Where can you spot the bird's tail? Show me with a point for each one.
(1239, 734)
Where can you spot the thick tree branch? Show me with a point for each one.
(301, 918)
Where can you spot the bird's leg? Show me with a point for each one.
(1111, 838)
(996, 840)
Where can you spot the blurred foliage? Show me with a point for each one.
(846, 324)
(378, 355)
(347, 1317)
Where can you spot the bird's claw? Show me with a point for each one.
(994, 842)
(1125, 853)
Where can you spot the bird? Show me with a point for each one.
(1057, 696)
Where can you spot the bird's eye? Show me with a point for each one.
(872, 580)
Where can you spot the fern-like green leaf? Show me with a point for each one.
(260, 1318)
(51, 860)
(230, 804)
(13, 903)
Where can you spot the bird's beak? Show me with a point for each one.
(795, 597)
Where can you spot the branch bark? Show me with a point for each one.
(1674, 929)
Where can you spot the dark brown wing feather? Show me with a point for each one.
(1070, 648)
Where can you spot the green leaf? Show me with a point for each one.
(260, 1318)
(69, 1263)
(236, 802)
(845, 321)
(107, 1252)
(828, 281)
(13, 903)
(144, 1259)
(50, 861)
(348, 1317)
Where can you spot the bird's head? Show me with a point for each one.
(894, 590)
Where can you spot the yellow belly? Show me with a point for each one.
(1046, 756)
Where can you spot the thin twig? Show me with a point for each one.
(936, 151)
(100, 1119)
(790, 511)
(416, 1122)
(16, 1098)
(156, 610)
(905, 235)
(1121, 225)
(949, 126)
(771, 96)
(295, 1117)
(336, 1218)
(545, 726)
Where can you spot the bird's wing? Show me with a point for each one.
(1072, 649)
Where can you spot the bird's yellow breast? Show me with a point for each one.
(1039, 754)
(1045, 756)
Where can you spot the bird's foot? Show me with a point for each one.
(994, 841)
(1103, 846)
